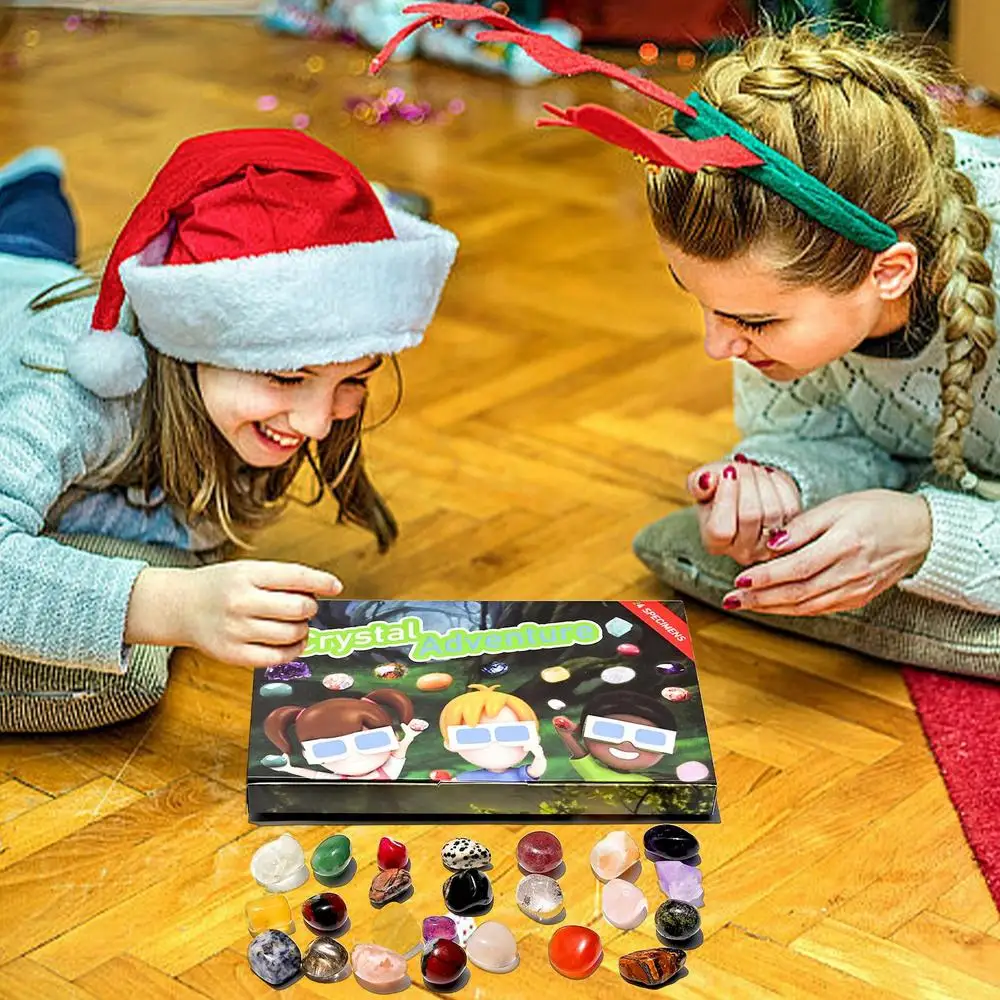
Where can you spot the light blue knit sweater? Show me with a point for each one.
(60, 605)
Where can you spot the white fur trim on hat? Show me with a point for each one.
(109, 364)
(282, 311)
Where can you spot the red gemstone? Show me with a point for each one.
(539, 852)
(391, 854)
(628, 649)
(575, 952)
(324, 913)
(444, 963)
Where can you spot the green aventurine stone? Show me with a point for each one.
(331, 857)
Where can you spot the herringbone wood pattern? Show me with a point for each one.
(559, 402)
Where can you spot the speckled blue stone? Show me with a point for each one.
(275, 958)
(496, 668)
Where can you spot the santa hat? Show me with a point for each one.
(261, 250)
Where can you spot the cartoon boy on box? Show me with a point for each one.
(495, 731)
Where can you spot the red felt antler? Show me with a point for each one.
(665, 150)
(546, 51)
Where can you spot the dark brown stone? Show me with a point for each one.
(388, 885)
(651, 967)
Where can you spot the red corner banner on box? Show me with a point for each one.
(658, 616)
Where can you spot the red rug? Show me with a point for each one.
(961, 719)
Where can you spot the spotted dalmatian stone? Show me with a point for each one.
(462, 853)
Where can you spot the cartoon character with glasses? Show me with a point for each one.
(623, 732)
(495, 731)
(347, 737)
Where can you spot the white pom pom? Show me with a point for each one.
(108, 364)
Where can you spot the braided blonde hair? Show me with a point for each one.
(858, 117)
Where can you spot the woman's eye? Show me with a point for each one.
(356, 380)
(285, 379)
(744, 324)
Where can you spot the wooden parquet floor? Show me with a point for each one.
(558, 404)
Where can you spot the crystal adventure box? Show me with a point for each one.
(487, 710)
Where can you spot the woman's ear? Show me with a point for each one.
(895, 270)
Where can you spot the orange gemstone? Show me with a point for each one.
(575, 952)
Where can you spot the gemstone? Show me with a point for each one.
(280, 865)
(539, 852)
(439, 927)
(378, 969)
(274, 957)
(556, 705)
(324, 913)
(669, 669)
(651, 966)
(676, 921)
(623, 904)
(338, 682)
(443, 963)
(692, 770)
(325, 960)
(274, 760)
(617, 675)
(434, 682)
(680, 881)
(617, 627)
(628, 649)
(613, 855)
(669, 843)
(676, 694)
(388, 885)
(390, 671)
(294, 671)
(553, 675)
(462, 853)
(493, 947)
(575, 952)
(331, 858)
(468, 891)
(464, 927)
(539, 896)
(496, 668)
(269, 913)
(391, 854)
(275, 690)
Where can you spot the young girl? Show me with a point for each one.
(249, 298)
(837, 239)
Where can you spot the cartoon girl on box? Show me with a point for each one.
(349, 738)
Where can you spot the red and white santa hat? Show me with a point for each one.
(261, 250)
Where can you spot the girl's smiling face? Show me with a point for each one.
(787, 331)
(268, 417)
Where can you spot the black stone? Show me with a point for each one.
(468, 891)
(676, 921)
(669, 843)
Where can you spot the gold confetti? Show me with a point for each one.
(315, 64)
(32, 37)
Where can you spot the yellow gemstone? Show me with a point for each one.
(269, 913)
(553, 675)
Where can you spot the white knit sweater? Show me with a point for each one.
(863, 422)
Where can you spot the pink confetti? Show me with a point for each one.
(456, 106)
(72, 23)
(267, 102)
(301, 120)
(395, 95)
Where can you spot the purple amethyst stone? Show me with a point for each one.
(439, 927)
(296, 670)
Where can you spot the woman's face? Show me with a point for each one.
(268, 417)
(785, 331)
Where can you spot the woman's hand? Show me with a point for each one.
(840, 555)
(246, 612)
(740, 505)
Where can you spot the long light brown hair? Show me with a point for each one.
(176, 447)
(858, 116)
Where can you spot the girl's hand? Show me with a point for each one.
(842, 554)
(740, 505)
(253, 613)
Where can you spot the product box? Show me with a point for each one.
(464, 710)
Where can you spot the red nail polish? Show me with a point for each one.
(705, 481)
(744, 581)
(741, 458)
(729, 472)
(770, 468)
(777, 539)
(731, 603)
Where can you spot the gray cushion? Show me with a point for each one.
(895, 626)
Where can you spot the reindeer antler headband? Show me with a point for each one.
(713, 139)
